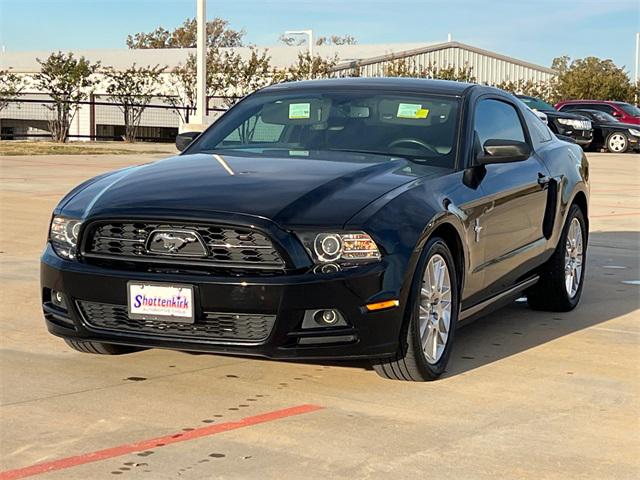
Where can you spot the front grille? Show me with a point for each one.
(229, 247)
(227, 327)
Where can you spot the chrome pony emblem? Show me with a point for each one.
(176, 242)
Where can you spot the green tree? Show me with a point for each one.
(11, 86)
(248, 75)
(337, 40)
(219, 35)
(291, 41)
(307, 67)
(546, 91)
(461, 74)
(592, 78)
(228, 74)
(132, 90)
(68, 81)
(408, 67)
(182, 81)
(324, 40)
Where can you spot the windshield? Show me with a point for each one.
(300, 123)
(630, 109)
(536, 104)
(604, 117)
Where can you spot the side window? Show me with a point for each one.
(601, 106)
(540, 133)
(497, 120)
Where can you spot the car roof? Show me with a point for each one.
(443, 87)
(578, 102)
(588, 110)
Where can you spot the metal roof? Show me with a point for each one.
(439, 46)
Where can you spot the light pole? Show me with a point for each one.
(635, 77)
(309, 33)
(201, 64)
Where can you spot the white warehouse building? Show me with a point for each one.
(99, 119)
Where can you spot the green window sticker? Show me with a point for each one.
(411, 110)
(299, 110)
(298, 153)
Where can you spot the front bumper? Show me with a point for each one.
(367, 335)
(581, 137)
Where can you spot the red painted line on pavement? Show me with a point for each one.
(143, 445)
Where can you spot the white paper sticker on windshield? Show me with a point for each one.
(412, 110)
(299, 110)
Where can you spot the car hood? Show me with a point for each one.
(569, 116)
(618, 125)
(320, 191)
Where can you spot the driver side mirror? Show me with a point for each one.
(183, 140)
(503, 151)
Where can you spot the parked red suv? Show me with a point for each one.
(624, 112)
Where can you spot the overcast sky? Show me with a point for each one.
(532, 30)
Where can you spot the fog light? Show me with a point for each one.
(327, 268)
(323, 318)
(58, 299)
(326, 317)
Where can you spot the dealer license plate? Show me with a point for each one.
(169, 303)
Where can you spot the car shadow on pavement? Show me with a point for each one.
(613, 257)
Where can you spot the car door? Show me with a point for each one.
(510, 225)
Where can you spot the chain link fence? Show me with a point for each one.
(98, 118)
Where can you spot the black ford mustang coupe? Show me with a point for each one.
(347, 218)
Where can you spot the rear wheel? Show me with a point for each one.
(617, 142)
(428, 336)
(561, 278)
(99, 348)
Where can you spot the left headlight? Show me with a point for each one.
(344, 248)
(63, 235)
(634, 132)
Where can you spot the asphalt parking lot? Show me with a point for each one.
(527, 394)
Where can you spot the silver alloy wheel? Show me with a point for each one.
(435, 309)
(573, 258)
(617, 142)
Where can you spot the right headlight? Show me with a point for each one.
(635, 132)
(577, 124)
(63, 235)
(343, 248)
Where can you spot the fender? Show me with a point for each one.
(570, 183)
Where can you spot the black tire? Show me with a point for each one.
(617, 136)
(99, 348)
(550, 293)
(409, 363)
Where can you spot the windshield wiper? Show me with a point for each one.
(411, 158)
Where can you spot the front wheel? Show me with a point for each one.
(433, 312)
(617, 142)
